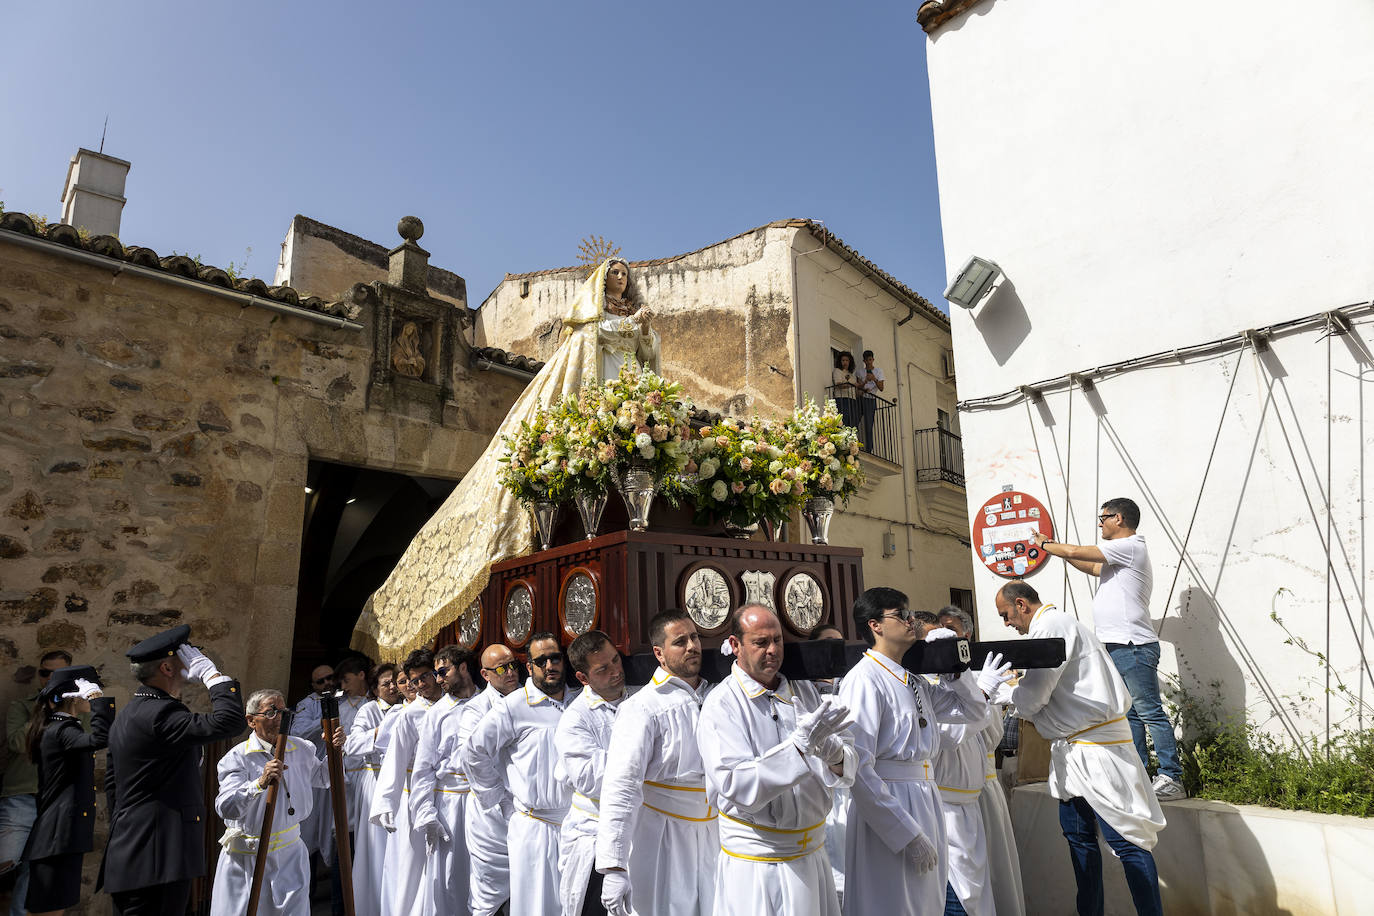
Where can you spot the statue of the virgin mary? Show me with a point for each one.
(448, 563)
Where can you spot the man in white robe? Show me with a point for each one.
(839, 806)
(439, 787)
(582, 739)
(1000, 890)
(773, 752)
(1095, 771)
(895, 861)
(403, 885)
(245, 773)
(513, 748)
(317, 829)
(485, 831)
(657, 840)
(363, 751)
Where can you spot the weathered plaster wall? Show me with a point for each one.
(153, 449)
(1169, 186)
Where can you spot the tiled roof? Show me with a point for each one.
(825, 236)
(179, 265)
(513, 360)
(934, 13)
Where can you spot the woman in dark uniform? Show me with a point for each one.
(65, 754)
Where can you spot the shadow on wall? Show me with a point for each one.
(1003, 322)
(1207, 667)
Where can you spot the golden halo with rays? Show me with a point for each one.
(593, 250)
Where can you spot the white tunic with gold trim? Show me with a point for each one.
(403, 885)
(513, 748)
(894, 797)
(485, 831)
(286, 882)
(438, 794)
(773, 801)
(656, 821)
(363, 750)
(1081, 708)
(582, 739)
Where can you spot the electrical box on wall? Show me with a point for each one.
(889, 544)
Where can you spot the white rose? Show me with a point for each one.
(644, 441)
(833, 464)
(646, 452)
(774, 467)
(719, 491)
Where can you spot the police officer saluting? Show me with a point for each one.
(157, 804)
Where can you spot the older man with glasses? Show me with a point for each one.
(896, 860)
(19, 797)
(511, 755)
(489, 868)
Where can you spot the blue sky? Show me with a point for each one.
(513, 129)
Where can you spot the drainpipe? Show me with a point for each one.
(904, 435)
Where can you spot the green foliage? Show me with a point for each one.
(1228, 759)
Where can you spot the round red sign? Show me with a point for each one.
(1002, 533)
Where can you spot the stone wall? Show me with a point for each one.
(153, 451)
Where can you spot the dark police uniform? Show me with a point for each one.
(65, 828)
(157, 804)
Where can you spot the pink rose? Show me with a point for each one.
(746, 463)
(722, 441)
(659, 433)
(691, 467)
(779, 486)
(737, 486)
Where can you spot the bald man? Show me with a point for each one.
(489, 877)
(773, 750)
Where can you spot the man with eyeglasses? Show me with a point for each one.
(582, 739)
(439, 787)
(365, 746)
(404, 892)
(511, 754)
(19, 795)
(245, 773)
(896, 861)
(657, 838)
(1121, 620)
(485, 830)
(305, 723)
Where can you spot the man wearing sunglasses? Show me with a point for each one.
(305, 723)
(245, 773)
(511, 754)
(19, 797)
(439, 788)
(489, 875)
(897, 857)
(1121, 620)
(403, 885)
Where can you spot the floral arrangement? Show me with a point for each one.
(744, 474)
(536, 460)
(638, 418)
(584, 435)
(825, 449)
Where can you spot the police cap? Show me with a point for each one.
(163, 645)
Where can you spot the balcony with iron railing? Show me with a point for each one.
(939, 456)
(874, 417)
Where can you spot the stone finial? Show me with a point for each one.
(408, 265)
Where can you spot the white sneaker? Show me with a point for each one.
(1169, 789)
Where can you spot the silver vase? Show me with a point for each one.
(545, 517)
(637, 487)
(590, 506)
(743, 532)
(818, 511)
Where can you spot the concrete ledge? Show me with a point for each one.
(1214, 859)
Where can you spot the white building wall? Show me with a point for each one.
(1150, 182)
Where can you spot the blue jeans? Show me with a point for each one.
(1139, 666)
(952, 905)
(17, 814)
(1080, 822)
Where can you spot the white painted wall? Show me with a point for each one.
(1150, 182)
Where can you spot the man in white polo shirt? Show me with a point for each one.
(1121, 621)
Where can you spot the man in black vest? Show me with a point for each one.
(153, 779)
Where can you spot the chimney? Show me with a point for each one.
(93, 197)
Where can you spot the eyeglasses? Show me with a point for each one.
(443, 672)
(270, 713)
(422, 676)
(906, 615)
(44, 672)
(501, 669)
(1103, 518)
(545, 660)
(327, 679)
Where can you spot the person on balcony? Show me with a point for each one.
(845, 391)
(871, 381)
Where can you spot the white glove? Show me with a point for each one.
(994, 674)
(199, 667)
(615, 893)
(386, 820)
(941, 633)
(832, 750)
(85, 690)
(922, 854)
(434, 835)
(829, 718)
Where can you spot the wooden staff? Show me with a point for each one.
(329, 721)
(265, 831)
